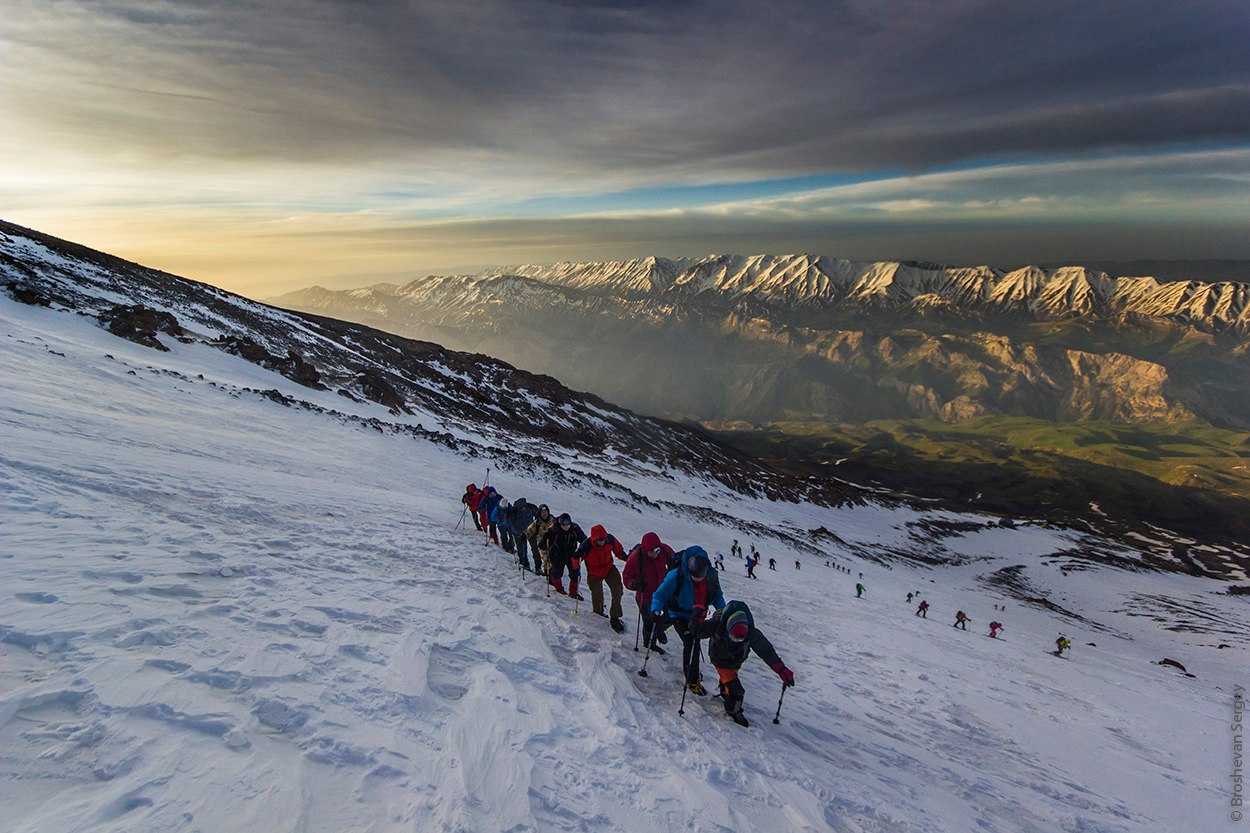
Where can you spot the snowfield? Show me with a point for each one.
(220, 613)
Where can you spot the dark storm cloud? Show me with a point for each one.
(628, 91)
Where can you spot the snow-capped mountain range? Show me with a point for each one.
(772, 338)
(235, 595)
(821, 283)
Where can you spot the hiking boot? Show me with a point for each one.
(656, 649)
(697, 688)
(618, 626)
(740, 718)
(662, 638)
(575, 595)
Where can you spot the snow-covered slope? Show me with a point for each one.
(229, 601)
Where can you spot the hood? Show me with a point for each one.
(490, 490)
(520, 503)
(649, 542)
(694, 552)
(597, 531)
(471, 488)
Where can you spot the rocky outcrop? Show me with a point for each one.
(293, 366)
(140, 324)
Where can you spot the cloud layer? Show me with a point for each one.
(482, 110)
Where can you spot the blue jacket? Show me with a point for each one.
(676, 593)
(491, 502)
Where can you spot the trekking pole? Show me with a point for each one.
(642, 672)
(638, 632)
(777, 716)
(685, 677)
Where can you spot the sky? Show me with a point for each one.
(268, 145)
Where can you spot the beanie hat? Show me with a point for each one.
(738, 625)
(565, 518)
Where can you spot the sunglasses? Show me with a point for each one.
(599, 542)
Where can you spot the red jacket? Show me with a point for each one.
(599, 558)
(472, 499)
(643, 573)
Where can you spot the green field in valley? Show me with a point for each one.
(1190, 478)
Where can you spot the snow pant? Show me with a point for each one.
(751, 571)
(482, 521)
(494, 532)
(613, 580)
(506, 540)
(556, 574)
(522, 551)
(476, 522)
(689, 644)
(962, 624)
(542, 558)
(731, 690)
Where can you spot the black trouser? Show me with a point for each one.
(689, 649)
(476, 522)
(652, 625)
(522, 546)
(733, 694)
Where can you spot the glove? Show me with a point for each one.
(659, 617)
(698, 614)
(786, 675)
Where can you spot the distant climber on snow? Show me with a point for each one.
(961, 620)
(1062, 644)
(859, 590)
(732, 635)
(536, 532)
(923, 610)
(490, 502)
(684, 598)
(517, 519)
(562, 541)
(600, 551)
(645, 569)
(472, 497)
(772, 563)
(995, 627)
